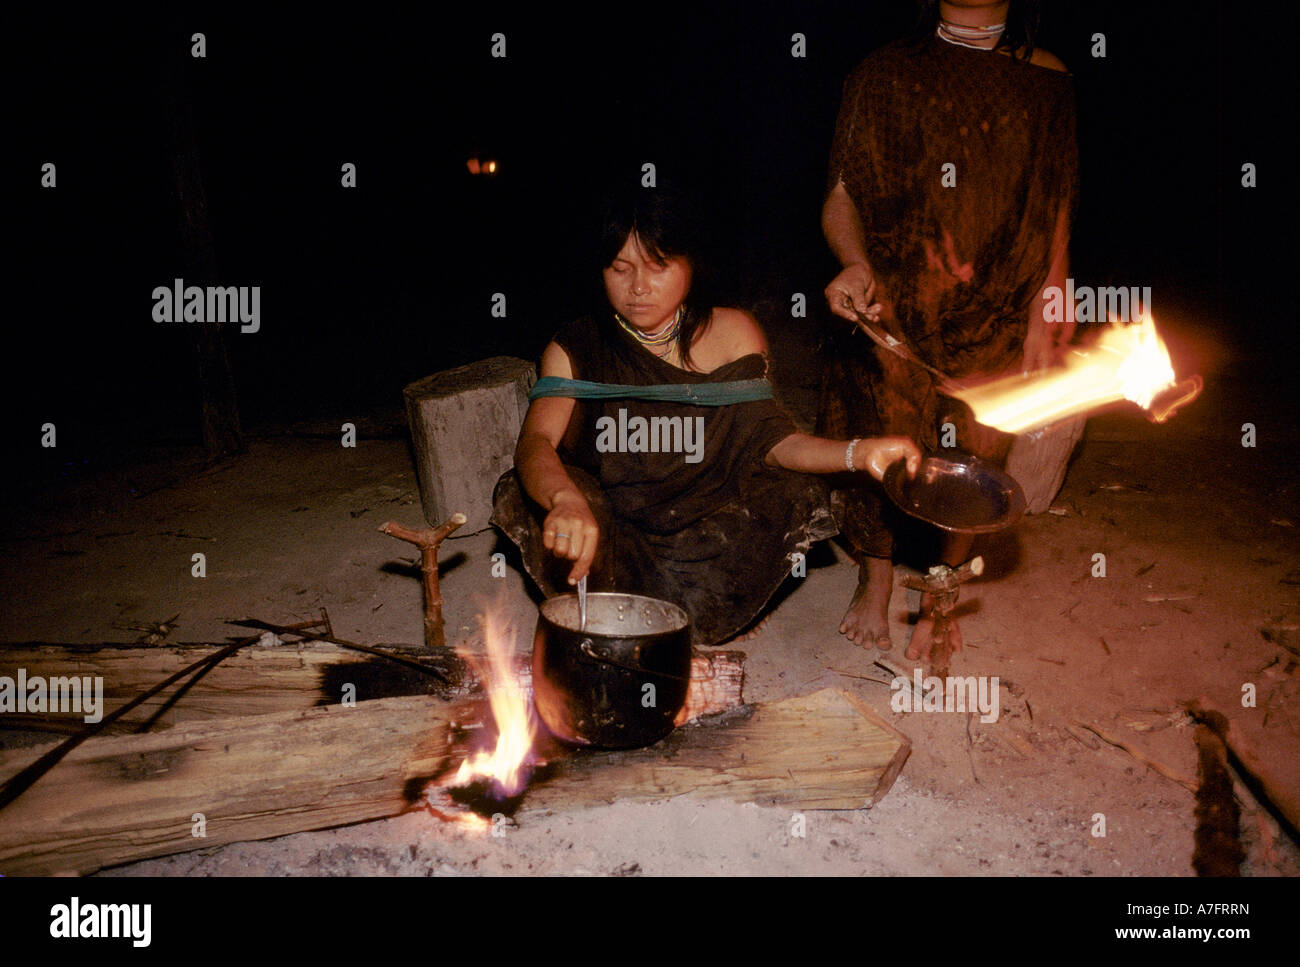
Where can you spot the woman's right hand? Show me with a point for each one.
(570, 531)
(853, 291)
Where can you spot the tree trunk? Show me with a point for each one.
(218, 410)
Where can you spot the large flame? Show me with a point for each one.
(507, 764)
(1127, 363)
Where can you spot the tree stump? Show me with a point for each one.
(464, 426)
(1038, 461)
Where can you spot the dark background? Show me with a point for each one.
(364, 290)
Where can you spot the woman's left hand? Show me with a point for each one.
(877, 453)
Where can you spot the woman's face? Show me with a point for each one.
(644, 292)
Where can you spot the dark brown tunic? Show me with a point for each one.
(958, 267)
(713, 536)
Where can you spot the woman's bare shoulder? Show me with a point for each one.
(1045, 58)
(736, 333)
(556, 362)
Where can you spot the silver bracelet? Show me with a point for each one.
(848, 454)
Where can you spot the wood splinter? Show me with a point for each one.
(427, 540)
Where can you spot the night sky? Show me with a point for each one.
(364, 290)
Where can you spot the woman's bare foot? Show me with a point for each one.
(866, 622)
(753, 631)
(918, 648)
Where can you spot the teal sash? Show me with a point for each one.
(695, 394)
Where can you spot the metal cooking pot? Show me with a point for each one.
(620, 683)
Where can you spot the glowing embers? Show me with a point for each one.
(1127, 363)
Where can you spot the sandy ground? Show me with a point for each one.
(1196, 563)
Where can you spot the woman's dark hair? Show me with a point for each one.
(665, 221)
(1023, 19)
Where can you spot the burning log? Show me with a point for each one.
(845, 756)
(271, 676)
(427, 540)
(23, 779)
(254, 681)
(717, 679)
(125, 798)
(291, 676)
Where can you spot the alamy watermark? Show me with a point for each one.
(213, 303)
(130, 921)
(60, 694)
(971, 693)
(1087, 304)
(656, 434)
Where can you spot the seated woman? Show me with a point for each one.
(676, 480)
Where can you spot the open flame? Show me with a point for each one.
(507, 764)
(1127, 363)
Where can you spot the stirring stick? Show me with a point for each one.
(582, 604)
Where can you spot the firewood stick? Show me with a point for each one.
(37, 722)
(427, 540)
(1136, 753)
(177, 695)
(1248, 760)
(212, 662)
(307, 635)
(899, 672)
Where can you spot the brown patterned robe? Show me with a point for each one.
(957, 268)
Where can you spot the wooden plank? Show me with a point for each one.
(821, 751)
(123, 798)
(263, 681)
(464, 426)
(254, 681)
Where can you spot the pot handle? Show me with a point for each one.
(588, 648)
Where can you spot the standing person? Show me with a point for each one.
(953, 177)
(704, 509)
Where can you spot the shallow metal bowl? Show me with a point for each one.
(960, 493)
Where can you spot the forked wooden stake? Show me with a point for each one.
(427, 540)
